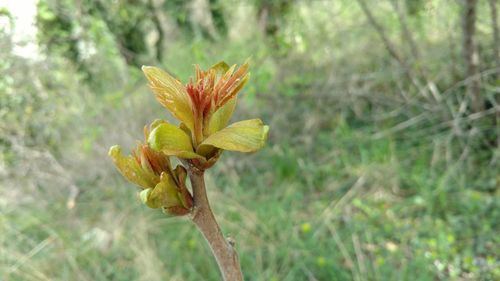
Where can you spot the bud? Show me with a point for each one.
(162, 187)
(204, 107)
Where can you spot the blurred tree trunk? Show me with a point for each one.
(471, 55)
(270, 13)
(496, 55)
(204, 18)
(202, 22)
(266, 22)
(179, 10)
(159, 45)
(496, 36)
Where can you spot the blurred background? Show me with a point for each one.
(382, 160)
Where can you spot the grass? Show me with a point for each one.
(342, 191)
(357, 209)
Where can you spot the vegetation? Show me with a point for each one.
(381, 163)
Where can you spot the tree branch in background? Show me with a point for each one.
(471, 55)
(391, 48)
(381, 32)
(408, 37)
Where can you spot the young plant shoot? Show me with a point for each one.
(204, 107)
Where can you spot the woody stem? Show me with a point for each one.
(204, 219)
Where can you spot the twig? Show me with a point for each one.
(204, 219)
(391, 48)
(401, 126)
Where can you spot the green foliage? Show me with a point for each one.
(179, 10)
(366, 176)
(58, 29)
(414, 7)
(217, 12)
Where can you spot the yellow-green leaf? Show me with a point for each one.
(131, 169)
(243, 136)
(164, 194)
(221, 117)
(156, 123)
(144, 195)
(170, 93)
(171, 140)
(221, 67)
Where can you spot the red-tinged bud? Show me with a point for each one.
(204, 106)
(211, 90)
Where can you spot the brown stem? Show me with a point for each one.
(204, 219)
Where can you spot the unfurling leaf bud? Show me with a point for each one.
(163, 187)
(204, 107)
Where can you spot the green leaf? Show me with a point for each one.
(171, 140)
(221, 67)
(170, 93)
(131, 169)
(165, 194)
(243, 136)
(144, 195)
(221, 117)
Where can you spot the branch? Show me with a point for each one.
(408, 37)
(204, 219)
(391, 48)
